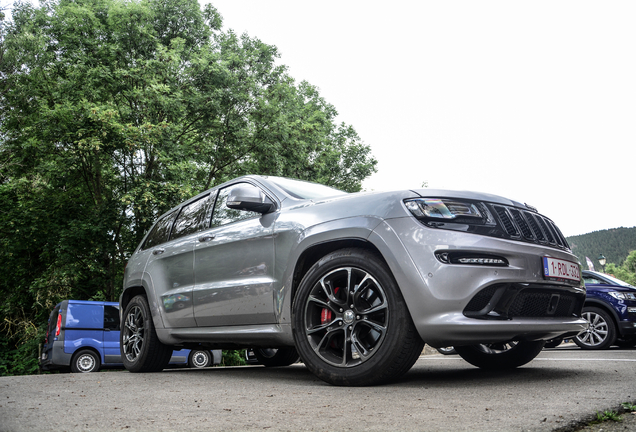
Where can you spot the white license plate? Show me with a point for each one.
(561, 269)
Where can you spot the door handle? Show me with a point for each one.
(206, 238)
(158, 251)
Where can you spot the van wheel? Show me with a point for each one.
(272, 357)
(199, 359)
(85, 361)
(141, 349)
(351, 325)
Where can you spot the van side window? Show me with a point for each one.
(111, 317)
(160, 232)
(189, 218)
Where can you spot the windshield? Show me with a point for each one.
(304, 190)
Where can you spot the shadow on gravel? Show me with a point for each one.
(485, 378)
(418, 376)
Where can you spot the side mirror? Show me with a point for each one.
(249, 198)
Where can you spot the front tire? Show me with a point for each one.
(601, 333)
(141, 349)
(499, 356)
(351, 325)
(85, 361)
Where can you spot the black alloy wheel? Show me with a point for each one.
(351, 325)
(141, 349)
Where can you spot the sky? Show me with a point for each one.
(534, 101)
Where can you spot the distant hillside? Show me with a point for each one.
(615, 244)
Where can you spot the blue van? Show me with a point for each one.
(85, 336)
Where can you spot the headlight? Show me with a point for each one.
(437, 212)
(623, 295)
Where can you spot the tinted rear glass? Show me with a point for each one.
(86, 316)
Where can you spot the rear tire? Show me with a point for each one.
(199, 359)
(273, 357)
(501, 355)
(351, 325)
(141, 349)
(85, 361)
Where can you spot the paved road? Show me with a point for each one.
(440, 393)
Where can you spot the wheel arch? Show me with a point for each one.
(316, 252)
(128, 295)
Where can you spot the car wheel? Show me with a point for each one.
(141, 350)
(447, 350)
(85, 361)
(507, 355)
(553, 343)
(601, 332)
(199, 359)
(272, 357)
(350, 323)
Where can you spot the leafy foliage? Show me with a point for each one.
(625, 272)
(233, 358)
(113, 112)
(615, 244)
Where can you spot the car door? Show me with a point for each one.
(112, 353)
(234, 267)
(170, 265)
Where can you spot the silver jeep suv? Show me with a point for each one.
(352, 283)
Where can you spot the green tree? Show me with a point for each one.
(625, 272)
(112, 112)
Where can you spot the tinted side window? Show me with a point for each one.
(189, 218)
(111, 317)
(224, 215)
(84, 316)
(160, 232)
(591, 280)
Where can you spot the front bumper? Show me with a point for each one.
(439, 294)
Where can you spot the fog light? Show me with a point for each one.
(482, 261)
(469, 258)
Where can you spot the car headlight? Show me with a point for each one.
(623, 295)
(439, 212)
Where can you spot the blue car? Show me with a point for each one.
(84, 335)
(610, 309)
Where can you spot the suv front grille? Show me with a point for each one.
(528, 226)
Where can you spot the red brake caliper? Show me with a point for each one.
(326, 315)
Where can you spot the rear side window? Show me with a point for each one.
(160, 232)
(111, 317)
(189, 218)
(83, 316)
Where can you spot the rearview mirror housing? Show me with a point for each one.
(249, 198)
